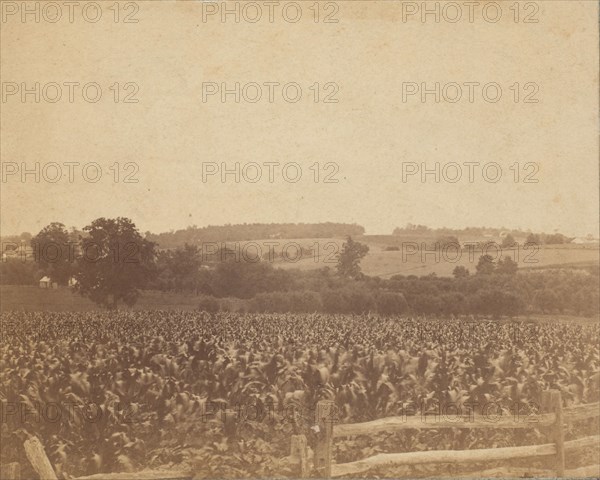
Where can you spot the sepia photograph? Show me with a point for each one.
(272, 239)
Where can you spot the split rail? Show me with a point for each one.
(551, 421)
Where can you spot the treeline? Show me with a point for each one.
(491, 295)
(411, 229)
(252, 231)
(113, 262)
(24, 237)
(267, 289)
(15, 271)
(537, 238)
(495, 294)
(495, 289)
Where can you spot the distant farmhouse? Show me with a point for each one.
(21, 252)
(588, 240)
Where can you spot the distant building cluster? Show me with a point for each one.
(22, 252)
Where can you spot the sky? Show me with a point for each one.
(361, 119)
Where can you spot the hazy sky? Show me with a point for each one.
(372, 54)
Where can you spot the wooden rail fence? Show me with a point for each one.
(551, 421)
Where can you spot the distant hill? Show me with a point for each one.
(253, 231)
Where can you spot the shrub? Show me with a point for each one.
(209, 304)
(389, 303)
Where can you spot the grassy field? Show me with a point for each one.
(413, 259)
(31, 298)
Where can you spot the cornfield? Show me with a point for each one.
(115, 391)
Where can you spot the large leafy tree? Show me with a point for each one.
(54, 252)
(485, 265)
(460, 272)
(547, 300)
(244, 279)
(115, 262)
(507, 266)
(348, 264)
(179, 269)
(446, 240)
(533, 238)
(508, 241)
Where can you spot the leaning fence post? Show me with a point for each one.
(299, 453)
(323, 450)
(34, 450)
(552, 403)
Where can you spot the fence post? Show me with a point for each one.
(323, 450)
(298, 452)
(34, 450)
(552, 403)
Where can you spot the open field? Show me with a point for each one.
(412, 259)
(32, 298)
(389, 263)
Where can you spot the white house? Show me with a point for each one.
(45, 282)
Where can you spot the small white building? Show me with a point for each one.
(45, 282)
